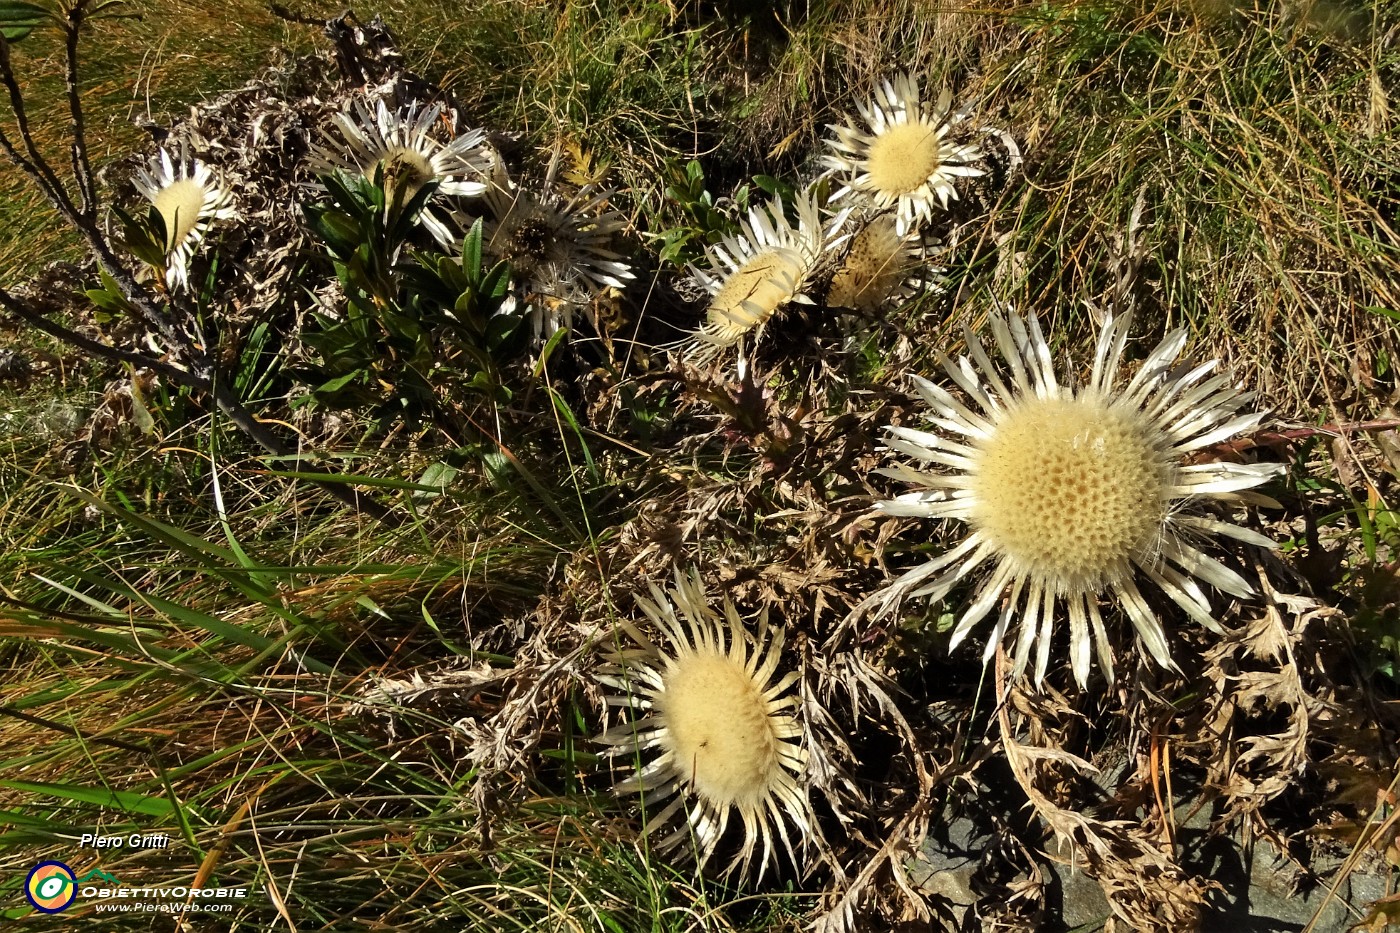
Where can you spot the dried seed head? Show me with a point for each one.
(754, 275)
(879, 266)
(1071, 489)
(561, 251)
(723, 730)
(901, 157)
(1073, 494)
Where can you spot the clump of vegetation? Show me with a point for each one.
(369, 410)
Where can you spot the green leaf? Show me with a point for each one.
(438, 474)
(143, 238)
(350, 480)
(471, 251)
(776, 186)
(339, 382)
(499, 470)
(500, 328)
(550, 345)
(406, 218)
(18, 19)
(98, 796)
(108, 296)
(496, 282)
(342, 233)
(567, 413)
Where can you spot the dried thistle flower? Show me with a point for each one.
(880, 266)
(727, 738)
(560, 251)
(1072, 493)
(189, 199)
(759, 272)
(902, 158)
(401, 145)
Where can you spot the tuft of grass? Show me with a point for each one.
(198, 675)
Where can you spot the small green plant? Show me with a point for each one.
(485, 326)
(411, 329)
(143, 236)
(705, 220)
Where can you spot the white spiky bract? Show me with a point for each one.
(402, 145)
(755, 274)
(902, 157)
(726, 740)
(880, 266)
(560, 250)
(1071, 494)
(189, 199)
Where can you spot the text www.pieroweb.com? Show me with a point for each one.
(162, 908)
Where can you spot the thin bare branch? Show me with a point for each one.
(198, 371)
(82, 168)
(50, 183)
(85, 221)
(228, 403)
(97, 348)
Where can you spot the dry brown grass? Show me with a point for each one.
(1258, 139)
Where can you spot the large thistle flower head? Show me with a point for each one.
(714, 713)
(901, 157)
(189, 199)
(759, 271)
(1073, 494)
(401, 145)
(881, 265)
(560, 250)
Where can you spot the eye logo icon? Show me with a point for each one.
(51, 887)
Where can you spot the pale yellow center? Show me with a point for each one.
(406, 169)
(872, 270)
(179, 204)
(718, 729)
(750, 296)
(903, 157)
(1069, 490)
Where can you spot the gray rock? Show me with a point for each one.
(1259, 889)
